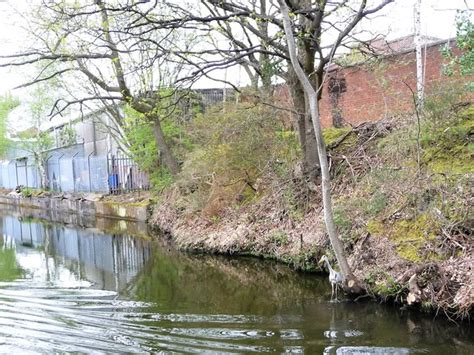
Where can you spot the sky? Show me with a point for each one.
(396, 20)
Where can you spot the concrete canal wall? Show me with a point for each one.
(92, 205)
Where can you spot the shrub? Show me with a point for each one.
(139, 133)
(234, 147)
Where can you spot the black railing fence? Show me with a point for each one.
(125, 176)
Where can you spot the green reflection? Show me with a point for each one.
(219, 284)
(9, 269)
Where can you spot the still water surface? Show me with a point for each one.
(70, 289)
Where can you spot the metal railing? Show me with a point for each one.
(125, 176)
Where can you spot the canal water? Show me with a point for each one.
(65, 288)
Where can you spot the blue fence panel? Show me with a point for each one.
(53, 174)
(66, 177)
(99, 174)
(81, 175)
(32, 173)
(21, 174)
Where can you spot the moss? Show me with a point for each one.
(448, 148)
(456, 161)
(332, 134)
(412, 235)
(375, 227)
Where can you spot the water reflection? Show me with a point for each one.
(70, 289)
(57, 253)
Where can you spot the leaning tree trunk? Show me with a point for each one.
(168, 157)
(351, 281)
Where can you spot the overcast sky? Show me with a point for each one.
(437, 21)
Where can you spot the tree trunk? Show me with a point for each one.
(41, 164)
(419, 59)
(168, 157)
(352, 283)
(305, 129)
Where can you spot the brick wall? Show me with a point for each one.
(372, 91)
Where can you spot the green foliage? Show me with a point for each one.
(377, 204)
(438, 107)
(7, 104)
(384, 285)
(233, 147)
(38, 145)
(238, 142)
(354, 57)
(464, 63)
(279, 238)
(26, 192)
(67, 136)
(293, 203)
(143, 148)
(161, 179)
(142, 143)
(306, 260)
(342, 219)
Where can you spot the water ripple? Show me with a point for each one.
(55, 319)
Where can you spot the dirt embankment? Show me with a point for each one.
(402, 207)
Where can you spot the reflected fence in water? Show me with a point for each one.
(114, 174)
(108, 261)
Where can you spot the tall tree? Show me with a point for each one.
(7, 104)
(119, 48)
(312, 95)
(323, 27)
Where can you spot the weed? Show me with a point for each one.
(279, 238)
(26, 192)
(342, 220)
(304, 261)
(376, 204)
(384, 285)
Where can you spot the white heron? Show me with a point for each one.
(335, 277)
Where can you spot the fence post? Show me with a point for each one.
(16, 172)
(59, 172)
(89, 169)
(26, 172)
(73, 172)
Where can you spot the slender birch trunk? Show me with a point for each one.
(419, 59)
(352, 283)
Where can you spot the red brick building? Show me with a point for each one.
(381, 87)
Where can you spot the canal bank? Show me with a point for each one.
(403, 212)
(87, 205)
(261, 230)
(264, 230)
